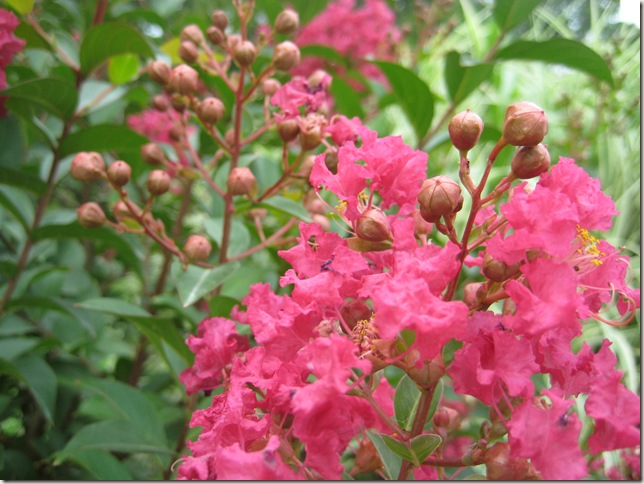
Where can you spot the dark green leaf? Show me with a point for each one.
(18, 204)
(462, 80)
(54, 95)
(287, 206)
(508, 13)
(114, 306)
(239, 234)
(12, 348)
(406, 401)
(423, 445)
(346, 99)
(101, 465)
(324, 52)
(103, 137)
(41, 380)
(412, 94)
(21, 179)
(196, 281)
(109, 39)
(436, 398)
(389, 458)
(123, 68)
(567, 52)
(449, 349)
(400, 449)
(12, 142)
(27, 33)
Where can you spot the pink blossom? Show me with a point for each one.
(154, 124)
(298, 93)
(10, 45)
(343, 129)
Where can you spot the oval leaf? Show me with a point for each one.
(508, 13)
(567, 52)
(389, 458)
(196, 281)
(123, 68)
(423, 445)
(54, 95)
(287, 206)
(21, 6)
(406, 401)
(462, 80)
(103, 137)
(41, 380)
(400, 449)
(102, 465)
(109, 39)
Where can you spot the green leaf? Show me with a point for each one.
(436, 398)
(239, 234)
(324, 52)
(41, 380)
(123, 68)
(196, 281)
(12, 141)
(346, 99)
(12, 348)
(102, 465)
(389, 458)
(287, 206)
(423, 445)
(567, 52)
(54, 95)
(23, 7)
(29, 35)
(400, 449)
(508, 13)
(462, 80)
(412, 94)
(21, 179)
(110, 39)
(103, 137)
(114, 306)
(406, 401)
(17, 204)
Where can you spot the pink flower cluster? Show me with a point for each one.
(10, 45)
(313, 383)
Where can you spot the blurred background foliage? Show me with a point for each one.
(90, 351)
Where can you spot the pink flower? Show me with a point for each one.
(297, 93)
(154, 124)
(343, 129)
(10, 45)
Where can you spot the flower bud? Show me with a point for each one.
(317, 78)
(159, 72)
(183, 80)
(472, 294)
(501, 467)
(229, 137)
(331, 160)
(192, 33)
(422, 228)
(288, 130)
(122, 212)
(354, 311)
(161, 103)
(530, 161)
(310, 136)
(496, 270)
(158, 182)
(287, 21)
(219, 19)
(88, 166)
(372, 225)
(245, 53)
(232, 41)
(241, 181)
(91, 215)
(270, 86)
(465, 130)
(306, 167)
(211, 110)
(197, 248)
(525, 124)
(439, 197)
(188, 52)
(447, 418)
(215, 35)
(322, 221)
(152, 154)
(119, 173)
(286, 56)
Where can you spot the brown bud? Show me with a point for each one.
(122, 212)
(372, 225)
(354, 311)
(211, 110)
(158, 182)
(496, 270)
(161, 103)
(316, 78)
(439, 196)
(232, 41)
(88, 166)
(188, 52)
(306, 167)
(501, 467)
(286, 56)
(197, 248)
(245, 53)
(270, 86)
(472, 294)
(91, 215)
(215, 35)
(192, 33)
(180, 103)
(310, 136)
(525, 124)
(530, 161)
(159, 72)
(361, 245)
(175, 133)
(331, 160)
(287, 21)
(241, 181)
(421, 227)
(465, 130)
(288, 130)
(219, 19)
(447, 418)
(119, 173)
(152, 154)
(183, 80)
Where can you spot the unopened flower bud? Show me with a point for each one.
(287, 21)
(232, 41)
(322, 221)
(229, 137)
(241, 181)
(122, 212)
(188, 52)
(183, 80)
(310, 137)
(525, 124)
(447, 418)
(331, 160)
(501, 467)
(270, 86)
(91, 215)
(472, 294)
(197, 248)
(439, 197)
(215, 35)
(161, 103)
(88, 166)
(152, 154)
(211, 110)
(175, 133)
(288, 130)
(465, 130)
(158, 182)
(372, 225)
(219, 19)
(119, 173)
(317, 78)
(421, 227)
(192, 33)
(245, 53)
(354, 311)
(159, 72)
(286, 56)
(496, 270)
(530, 161)
(306, 167)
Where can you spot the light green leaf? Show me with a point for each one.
(406, 401)
(102, 465)
(287, 206)
(12, 348)
(54, 95)
(389, 458)
(239, 234)
(324, 52)
(196, 281)
(508, 13)
(21, 6)
(423, 445)
(114, 306)
(103, 137)
(123, 68)
(462, 80)
(41, 380)
(400, 449)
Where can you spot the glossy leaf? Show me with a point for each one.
(103, 137)
(567, 52)
(287, 206)
(41, 380)
(400, 449)
(196, 282)
(508, 13)
(462, 80)
(412, 94)
(101, 465)
(423, 445)
(110, 39)
(54, 95)
(390, 460)
(21, 179)
(123, 68)
(406, 401)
